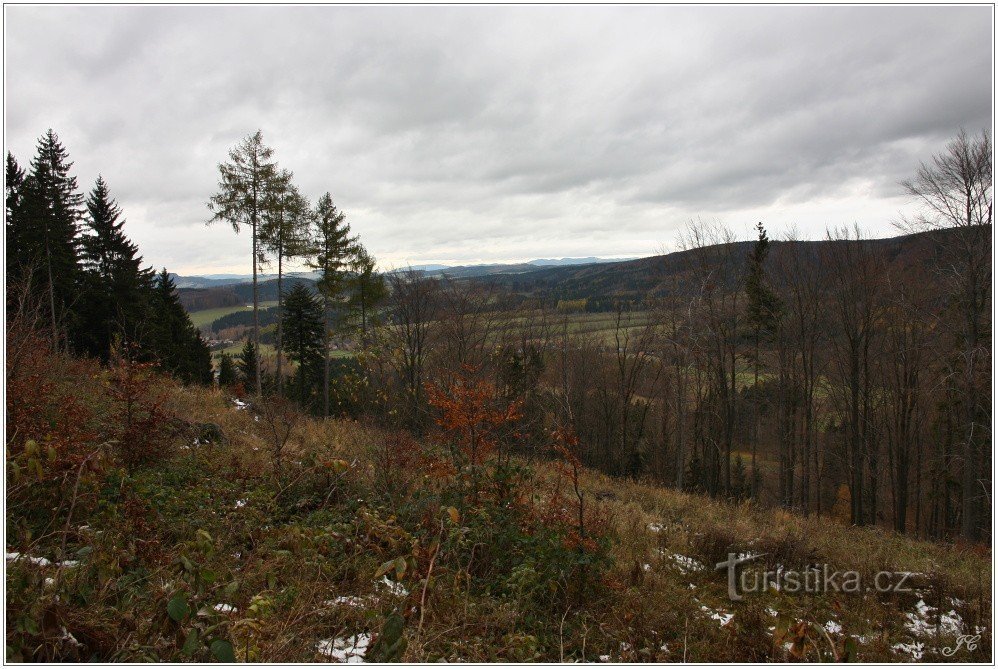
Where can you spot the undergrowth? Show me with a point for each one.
(151, 522)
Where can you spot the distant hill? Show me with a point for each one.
(602, 281)
(228, 295)
(218, 280)
(635, 280)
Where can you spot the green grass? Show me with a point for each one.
(205, 317)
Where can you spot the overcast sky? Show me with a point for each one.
(463, 135)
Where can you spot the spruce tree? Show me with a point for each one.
(763, 317)
(304, 341)
(45, 239)
(333, 248)
(116, 289)
(176, 343)
(246, 362)
(226, 371)
(243, 187)
(14, 193)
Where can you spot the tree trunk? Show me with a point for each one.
(325, 355)
(256, 318)
(280, 317)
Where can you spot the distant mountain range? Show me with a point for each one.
(218, 280)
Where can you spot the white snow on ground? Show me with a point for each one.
(349, 600)
(224, 608)
(40, 561)
(345, 649)
(833, 627)
(239, 403)
(687, 564)
(922, 622)
(67, 636)
(655, 527)
(915, 649)
(240, 503)
(647, 567)
(719, 616)
(396, 589)
(604, 658)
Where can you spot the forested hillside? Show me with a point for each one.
(400, 466)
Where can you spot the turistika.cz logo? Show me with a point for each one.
(816, 579)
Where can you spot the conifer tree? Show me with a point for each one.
(303, 326)
(176, 342)
(116, 288)
(44, 237)
(226, 371)
(284, 234)
(333, 247)
(243, 187)
(14, 192)
(367, 289)
(246, 362)
(763, 315)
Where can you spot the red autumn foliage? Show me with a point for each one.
(472, 416)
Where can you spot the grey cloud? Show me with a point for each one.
(483, 133)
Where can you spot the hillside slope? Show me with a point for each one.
(265, 536)
(637, 279)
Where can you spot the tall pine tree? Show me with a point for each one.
(763, 318)
(43, 236)
(243, 187)
(14, 193)
(284, 234)
(333, 247)
(116, 289)
(367, 290)
(303, 326)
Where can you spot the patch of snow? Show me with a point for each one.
(40, 561)
(647, 567)
(655, 527)
(345, 649)
(920, 625)
(240, 503)
(225, 608)
(771, 611)
(396, 589)
(833, 627)
(915, 649)
(687, 564)
(348, 600)
(604, 658)
(721, 617)
(68, 637)
(239, 403)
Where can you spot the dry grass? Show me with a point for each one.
(305, 574)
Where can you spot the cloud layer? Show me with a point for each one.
(471, 134)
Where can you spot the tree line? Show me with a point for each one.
(254, 193)
(70, 254)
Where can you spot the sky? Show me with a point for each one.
(461, 135)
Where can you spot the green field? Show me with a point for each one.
(204, 318)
